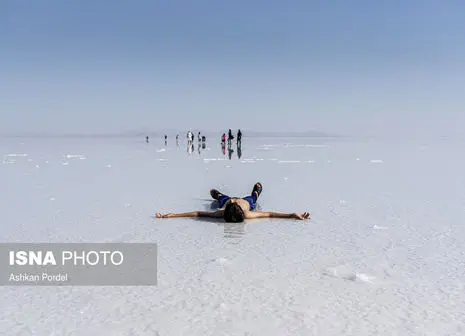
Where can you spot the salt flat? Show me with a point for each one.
(383, 253)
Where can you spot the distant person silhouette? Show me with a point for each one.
(239, 137)
(177, 139)
(147, 139)
(239, 151)
(166, 139)
(223, 139)
(230, 137)
(190, 137)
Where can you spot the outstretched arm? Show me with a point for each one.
(251, 215)
(212, 214)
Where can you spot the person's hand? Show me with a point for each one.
(159, 215)
(303, 216)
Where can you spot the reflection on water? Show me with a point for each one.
(214, 206)
(197, 147)
(201, 146)
(230, 149)
(190, 148)
(234, 231)
(230, 152)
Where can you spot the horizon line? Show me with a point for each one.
(133, 134)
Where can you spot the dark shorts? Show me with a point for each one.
(251, 199)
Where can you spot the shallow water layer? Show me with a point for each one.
(382, 254)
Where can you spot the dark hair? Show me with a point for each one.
(233, 213)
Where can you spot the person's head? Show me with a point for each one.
(233, 213)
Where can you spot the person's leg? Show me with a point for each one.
(222, 199)
(252, 199)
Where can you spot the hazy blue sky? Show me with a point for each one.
(366, 67)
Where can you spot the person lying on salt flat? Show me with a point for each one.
(235, 210)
